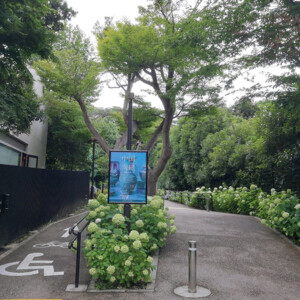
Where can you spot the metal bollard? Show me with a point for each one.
(192, 288)
(207, 202)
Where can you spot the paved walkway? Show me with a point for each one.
(238, 258)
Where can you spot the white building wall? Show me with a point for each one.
(35, 142)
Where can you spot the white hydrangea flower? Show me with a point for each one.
(150, 259)
(153, 247)
(124, 249)
(137, 244)
(130, 274)
(139, 223)
(144, 237)
(173, 229)
(134, 235)
(118, 219)
(297, 206)
(93, 271)
(92, 215)
(111, 270)
(128, 263)
(134, 212)
(93, 203)
(117, 248)
(162, 225)
(93, 227)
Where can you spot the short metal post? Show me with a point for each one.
(78, 259)
(192, 290)
(207, 202)
(192, 287)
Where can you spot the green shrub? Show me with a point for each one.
(225, 199)
(279, 210)
(200, 198)
(116, 258)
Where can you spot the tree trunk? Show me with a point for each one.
(151, 183)
(166, 153)
(97, 136)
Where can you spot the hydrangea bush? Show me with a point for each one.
(200, 198)
(117, 258)
(278, 210)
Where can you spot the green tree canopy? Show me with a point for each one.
(172, 51)
(27, 27)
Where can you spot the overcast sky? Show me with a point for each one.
(91, 11)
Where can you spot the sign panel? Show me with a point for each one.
(128, 177)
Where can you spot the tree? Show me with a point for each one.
(27, 27)
(69, 140)
(174, 54)
(170, 50)
(268, 29)
(245, 108)
(186, 169)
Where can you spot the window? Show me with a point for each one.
(32, 161)
(9, 156)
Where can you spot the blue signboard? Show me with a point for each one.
(128, 177)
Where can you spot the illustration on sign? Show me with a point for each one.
(25, 264)
(128, 177)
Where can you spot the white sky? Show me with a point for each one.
(91, 11)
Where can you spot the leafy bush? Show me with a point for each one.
(279, 210)
(239, 201)
(200, 198)
(120, 259)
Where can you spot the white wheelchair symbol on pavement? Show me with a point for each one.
(25, 264)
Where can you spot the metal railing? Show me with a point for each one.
(75, 230)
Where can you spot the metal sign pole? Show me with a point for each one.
(93, 168)
(127, 208)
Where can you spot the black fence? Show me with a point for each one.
(31, 197)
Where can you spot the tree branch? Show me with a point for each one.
(99, 139)
(144, 80)
(154, 136)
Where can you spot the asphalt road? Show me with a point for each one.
(237, 258)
